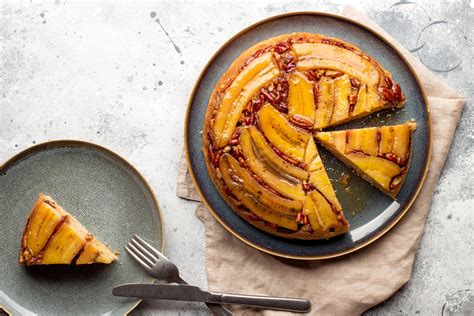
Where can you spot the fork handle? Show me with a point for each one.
(269, 302)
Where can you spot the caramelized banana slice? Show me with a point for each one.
(251, 203)
(40, 227)
(265, 151)
(325, 104)
(262, 194)
(321, 216)
(320, 180)
(247, 74)
(288, 139)
(311, 152)
(258, 163)
(95, 252)
(380, 155)
(368, 101)
(319, 55)
(229, 112)
(301, 98)
(379, 170)
(342, 88)
(66, 243)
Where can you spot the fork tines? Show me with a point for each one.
(143, 252)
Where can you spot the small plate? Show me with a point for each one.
(107, 195)
(370, 212)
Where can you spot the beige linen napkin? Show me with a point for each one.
(351, 284)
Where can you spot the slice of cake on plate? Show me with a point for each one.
(380, 155)
(53, 236)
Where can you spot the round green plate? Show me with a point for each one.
(107, 195)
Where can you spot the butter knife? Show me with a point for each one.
(191, 293)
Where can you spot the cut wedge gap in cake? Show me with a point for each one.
(380, 155)
(53, 236)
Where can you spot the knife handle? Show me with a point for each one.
(269, 302)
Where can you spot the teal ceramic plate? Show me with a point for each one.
(107, 195)
(370, 212)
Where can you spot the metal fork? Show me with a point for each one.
(161, 268)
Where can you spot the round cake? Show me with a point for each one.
(262, 119)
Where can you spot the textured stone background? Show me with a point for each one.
(114, 75)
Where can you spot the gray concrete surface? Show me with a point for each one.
(112, 74)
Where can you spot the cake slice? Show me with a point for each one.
(321, 206)
(53, 236)
(380, 155)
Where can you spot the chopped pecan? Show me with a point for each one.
(249, 108)
(256, 105)
(352, 99)
(286, 61)
(355, 82)
(290, 66)
(398, 93)
(279, 86)
(387, 94)
(242, 162)
(237, 150)
(283, 107)
(217, 157)
(393, 158)
(313, 75)
(282, 47)
(237, 133)
(333, 73)
(308, 186)
(301, 121)
(316, 95)
(249, 120)
(268, 96)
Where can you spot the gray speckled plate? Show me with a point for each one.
(370, 212)
(107, 195)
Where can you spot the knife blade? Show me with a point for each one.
(184, 292)
(181, 292)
